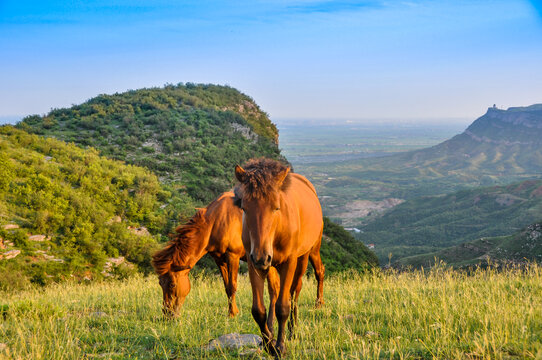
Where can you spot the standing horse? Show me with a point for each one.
(215, 230)
(282, 228)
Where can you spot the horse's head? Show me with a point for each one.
(175, 286)
(259, 195)
(173, 263)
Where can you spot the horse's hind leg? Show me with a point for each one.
(229, 267)
(231, 289)
(319, 271)
(273, 286)
(295, 289)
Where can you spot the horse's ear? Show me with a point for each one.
(176, 268)
(240, 173)
(282, 176)
(199, 217)
(237, 201)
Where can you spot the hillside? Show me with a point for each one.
(86, 210)
(340, 251)
(191, 136)
(518, 248)
(65, 210)
(500, 147)
(429, 224)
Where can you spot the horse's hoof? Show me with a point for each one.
(319, 304)
(268, 346)
(278, 351)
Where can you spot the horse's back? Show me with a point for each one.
(310, 216)
(226, 219)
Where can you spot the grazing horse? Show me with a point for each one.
(215, 230)
(282, 228)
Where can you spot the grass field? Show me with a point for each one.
(441, 314)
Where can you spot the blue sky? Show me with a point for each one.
(298, 59)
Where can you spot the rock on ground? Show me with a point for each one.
(234, 341)
(11, 254)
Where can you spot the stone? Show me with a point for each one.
(38, 238)
(98, 314)
(10, 226)
(3, 347)
(115, 219)
(11, 254)
(140, 231)
(116, 261)
(234, 341)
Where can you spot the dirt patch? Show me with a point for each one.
(363, 208)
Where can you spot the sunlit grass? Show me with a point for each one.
(440, 314)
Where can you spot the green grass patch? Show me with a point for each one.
(440, 314)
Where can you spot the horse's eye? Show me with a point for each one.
(172, 285)
(277, 209)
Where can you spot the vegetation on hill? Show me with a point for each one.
(429, 224)
(65, 211)
(340, 251)
(437, 314)
(191, 136)
(518, 248)
(83, 208)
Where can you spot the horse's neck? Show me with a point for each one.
(202, 244)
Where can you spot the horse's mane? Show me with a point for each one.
(260, 178)
(183, 244)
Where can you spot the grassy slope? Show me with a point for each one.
(428, 224)
(441, 314)
(72, 195)
(523, 246)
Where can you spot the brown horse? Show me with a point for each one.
(215, 230)
(282, 228)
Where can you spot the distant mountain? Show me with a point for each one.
(191, 136)
(429, 224)
(525, 245)
(500, 147)
(500, 143)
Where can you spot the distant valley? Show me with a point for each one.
(421, 201)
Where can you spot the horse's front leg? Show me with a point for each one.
(273, 285)
(257, 281)
(286, 271)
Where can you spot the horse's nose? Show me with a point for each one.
(262, 263)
